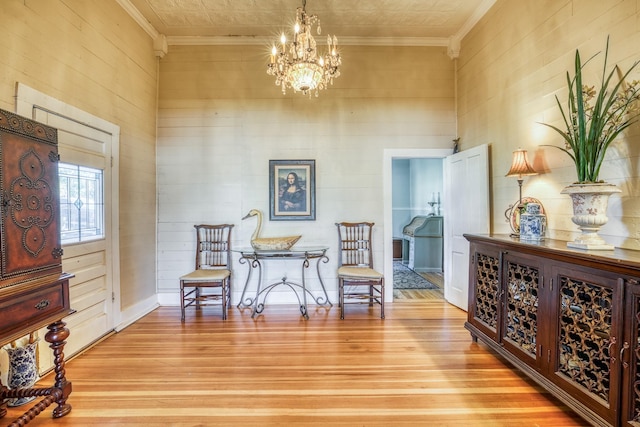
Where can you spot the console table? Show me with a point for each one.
(569, 319)
(255, 258)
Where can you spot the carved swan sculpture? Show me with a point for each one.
(268, 243)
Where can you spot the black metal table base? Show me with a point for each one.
(254, 259)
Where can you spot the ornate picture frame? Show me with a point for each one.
(292, 190)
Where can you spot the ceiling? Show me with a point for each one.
(390, 22)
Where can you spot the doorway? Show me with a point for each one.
(88, 145)
(399, 217)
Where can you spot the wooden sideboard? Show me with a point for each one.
(34, 292)
(569, 319)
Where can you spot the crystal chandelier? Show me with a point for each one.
(298, 64)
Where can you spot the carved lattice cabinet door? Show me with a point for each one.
(630, 355)
(589, 336)
(484, 297)
(524, 301)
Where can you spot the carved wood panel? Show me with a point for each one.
(635, 358)
(29, 199)
(585, 339)
(521, 323)
(487, 289)
(630, 356)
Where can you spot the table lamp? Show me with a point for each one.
(520, 168)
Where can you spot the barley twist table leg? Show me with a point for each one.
(56, 336)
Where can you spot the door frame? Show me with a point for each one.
(387, 179)
(28, 100)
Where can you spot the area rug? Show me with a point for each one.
(405, 278)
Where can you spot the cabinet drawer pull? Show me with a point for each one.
(42, 304)
(624, 347)
(612, 342)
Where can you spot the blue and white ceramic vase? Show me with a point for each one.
(23, 370)
(532, 223)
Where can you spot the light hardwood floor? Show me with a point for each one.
(417, 295)
(418, 367)
(409, 295)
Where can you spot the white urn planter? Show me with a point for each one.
(590, 203)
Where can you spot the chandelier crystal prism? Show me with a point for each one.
(297, 65)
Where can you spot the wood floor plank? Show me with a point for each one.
(418, 367)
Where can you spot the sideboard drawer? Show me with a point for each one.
(33, 306)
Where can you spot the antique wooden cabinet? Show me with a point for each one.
(567, 318)
(34, 292)
(423, 243)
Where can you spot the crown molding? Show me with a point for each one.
(353, 41)
(160, 47)
(455, 41)
(344, 41)
(482, 9)
(137, 16)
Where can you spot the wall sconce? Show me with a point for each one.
(520, 168)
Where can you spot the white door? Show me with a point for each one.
(466, 204)
(92, 292)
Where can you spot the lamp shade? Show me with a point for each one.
(520, 165)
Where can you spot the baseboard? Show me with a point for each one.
(136, 311)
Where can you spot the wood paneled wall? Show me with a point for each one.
(511, 67)
(222, 119)
(93, 56)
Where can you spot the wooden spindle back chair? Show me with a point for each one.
(358, 281)
(210, 282)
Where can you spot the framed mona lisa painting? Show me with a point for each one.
(292, 190)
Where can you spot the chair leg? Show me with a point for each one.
(182, 300)
(228, 295)
(224, 299)
(341, 297)
(382, 299)
(371, 295)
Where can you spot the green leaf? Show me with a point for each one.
(593, 124)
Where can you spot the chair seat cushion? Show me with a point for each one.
(359, 272)
(206, 275)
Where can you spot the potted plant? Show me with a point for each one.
(593, 118)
